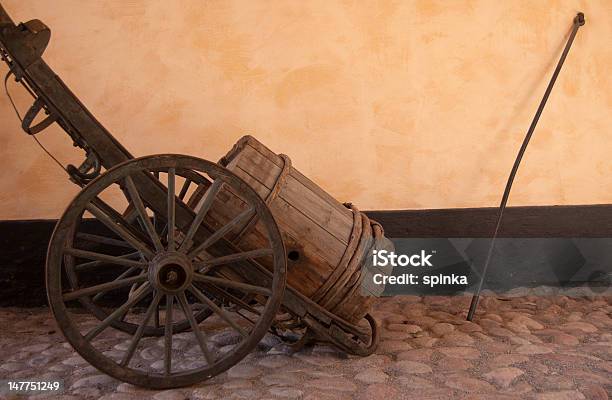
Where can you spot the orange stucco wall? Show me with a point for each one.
(388, 104)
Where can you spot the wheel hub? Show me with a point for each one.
(170, 272)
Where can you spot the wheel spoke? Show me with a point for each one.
(168, 335)
(184, 189)
(171, 208)
(103, 287)
(119, 260)
(102, 239)
(233, 258)
(203, 207)
(200, 336)
(139, 332)
(218, 310)
(124, 274)
(120, 230)
(142, 212)
(243, 216)
(142, 292)
(233, 284)
(231, 297)
(156, 319)
(130, 213)
(93, 264)
(155, 216)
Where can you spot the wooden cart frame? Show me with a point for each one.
(163, 229)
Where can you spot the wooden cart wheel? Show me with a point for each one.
(190, 266)
(192, 186)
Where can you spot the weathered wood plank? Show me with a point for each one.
(310, 185)
(334, 218)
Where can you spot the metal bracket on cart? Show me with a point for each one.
(89, 169)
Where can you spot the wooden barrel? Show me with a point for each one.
(326, 241)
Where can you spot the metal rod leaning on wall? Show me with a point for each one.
(578, 22)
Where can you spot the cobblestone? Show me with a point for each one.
(339, 384)
(411, 367)
(372, 375)
(286, 392)
(535, 348)
(504, 376)
(532, 349)
(467, 353)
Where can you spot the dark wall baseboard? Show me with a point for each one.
(23, 248)
(23, 244)
(591, 221)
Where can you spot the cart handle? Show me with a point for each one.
(4, 17)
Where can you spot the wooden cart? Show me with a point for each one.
(189, 245)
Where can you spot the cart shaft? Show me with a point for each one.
(21, 46)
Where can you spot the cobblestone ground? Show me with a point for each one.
(540, 348)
